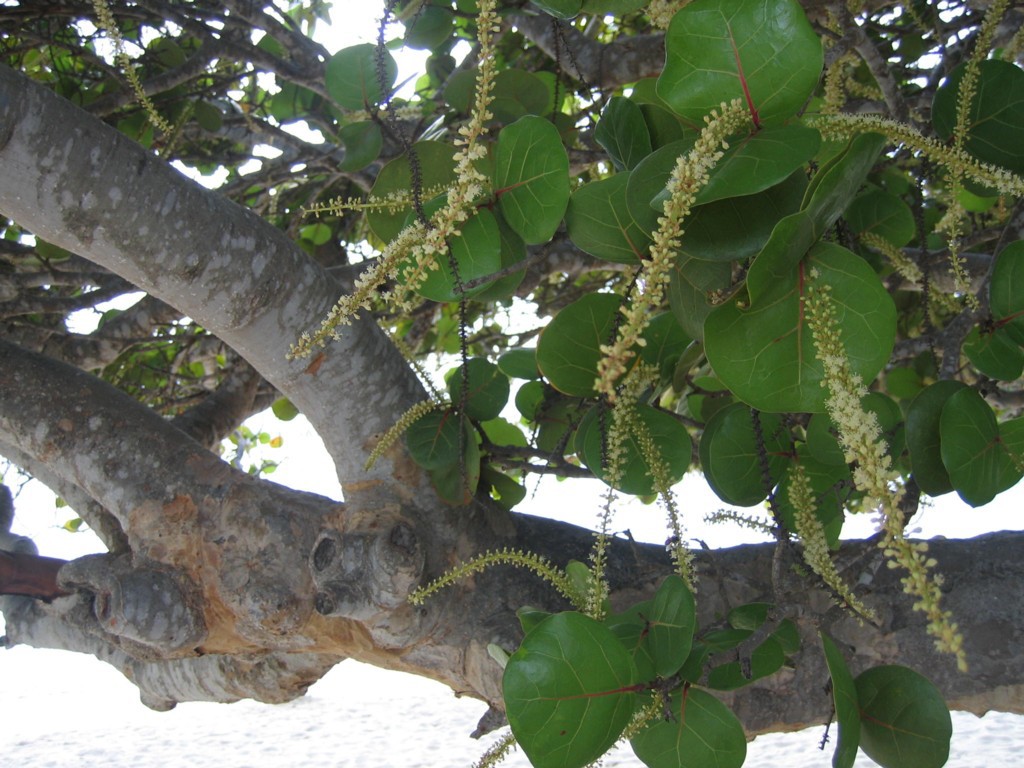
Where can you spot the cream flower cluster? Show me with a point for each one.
(860, 438)
(690, 175)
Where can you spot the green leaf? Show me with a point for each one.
(569, 348)
(828, 483)
(904, 720)
(995, 119)
(284, 409)
(1006, 290)
(519, 363)
(979, 465)
(623, 133)
(433, 439)
(488, 389)
(568, 691)
(504, 490)
(477, 254)
(994, 353)
(704, 732)
(844, 694)
(664, 343)
(613, 7)
(673, 618)
(363, 142)
(732, 460)
(437, 169)
(351, 76)
(631, 628)
(531, 178)
(757, 162)
(923, 437)
(429, 28)
(456, 483)
(825, 199)
(671, 440)
(317, 234)
(765, 53)
(884, 214)
(649, 178)
(766, 659)
(765, 353)
(693, 281)
(502, 432)
(599, 222)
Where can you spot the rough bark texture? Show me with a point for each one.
(229, 587)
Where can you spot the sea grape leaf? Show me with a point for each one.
(765, 353)
(433, 439)
(1006, 290)
(350, 76)
(599, 222)
(569, 348)
(766, 54)
(504, 490)
(756, 162)
(827, 483)
(732, 460)
(437, 167)
(844, 694)
(904, 720)
(363, 142)
(477, 254)
(703, 732)
(973, 452)
(664, 342)
(456, 483)
(671, 440)
(568, 691)
(924, 437)
(488, 389)
(623, 133)
(631, 628)
(825, 199)
(531, 178)
(692, 282)
(993, 352)
(995, 119)
(884, 214)
(520, 363)
(429, 28)
(673, 618)
(284, 409)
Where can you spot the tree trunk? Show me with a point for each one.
(231, 587)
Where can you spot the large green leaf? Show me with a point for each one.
(456, 483)
(844, 694)
(884, 214)
(433, 439)
(995, 120)
(531, 178)
(703, 732)
(568, 691)
(487, 392)
(979, 465)
(672, 619)
(756, 162)
(731, 458)
(825, 199)
(351, 76)
(765, 353)
(765, 53)
(1006, 290)
(569, 348)
(477, 254)
(994, 353)
(923, 437)
(671, 440)
(599, 222)
(437, 169)
(622, 131)
(904, 720)
(692, 284)
(560, 9)
(363, 142)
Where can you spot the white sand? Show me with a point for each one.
(59, 710)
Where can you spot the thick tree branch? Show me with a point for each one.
(237, 275)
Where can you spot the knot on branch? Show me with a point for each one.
(142, 605)
(360, 575)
